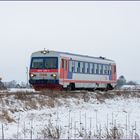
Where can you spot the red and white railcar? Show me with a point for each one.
(53, 69)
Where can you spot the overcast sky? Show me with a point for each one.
(109, 29)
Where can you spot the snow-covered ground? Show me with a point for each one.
(131, 87)
(72, 117)
(13, 90)
(21, 89)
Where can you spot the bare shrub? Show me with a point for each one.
(114, 133)
(100, 98)
(86, 97)
(51, 132)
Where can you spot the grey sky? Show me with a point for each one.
(110, 29)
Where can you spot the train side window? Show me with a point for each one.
(78, 69)
(83, 70)
(86, 67)
(79, 64)
(97, 69)
(101, 69)
(91, 68)
(108, 72)
(110, 69)
(73, 65)
(81, 67)
(76, 66)
(105, 69)
(70, 66)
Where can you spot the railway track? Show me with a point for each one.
(9, 93)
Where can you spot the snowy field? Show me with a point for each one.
(11, 90)
(131, 87)
(73, 117)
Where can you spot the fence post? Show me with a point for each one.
(2, 131)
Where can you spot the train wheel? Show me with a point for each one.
(109, 87)
(71, 87)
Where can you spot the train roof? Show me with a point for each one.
(87, 56)
(72, 54)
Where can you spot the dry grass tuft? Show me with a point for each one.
(32, 104)
(51, 102)
(4, 115)
(23, 95)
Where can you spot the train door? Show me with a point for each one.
(114, 72)
(64, 69)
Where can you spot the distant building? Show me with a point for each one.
(2, 87)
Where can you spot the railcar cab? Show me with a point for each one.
(44, 70)
(57, 70)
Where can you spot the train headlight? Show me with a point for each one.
(54, 75)
(32, 75)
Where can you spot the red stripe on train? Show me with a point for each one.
(87, 81)
(43, 70)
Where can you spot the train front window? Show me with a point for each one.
(51, 63)
(37, 63)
